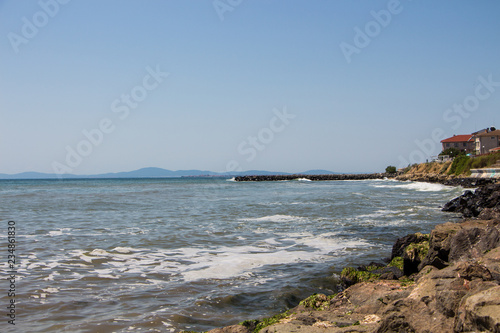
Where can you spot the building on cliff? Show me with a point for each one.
(487, 141)
(478, 143)
(462, 142)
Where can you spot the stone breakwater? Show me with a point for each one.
(466, 182)
(451, 283)
(267, 178)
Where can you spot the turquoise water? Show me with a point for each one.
(164, 255)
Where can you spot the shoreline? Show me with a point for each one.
(443, 285)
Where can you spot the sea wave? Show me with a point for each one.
(278, 218)
(417, 186)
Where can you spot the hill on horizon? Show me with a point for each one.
(153, 172)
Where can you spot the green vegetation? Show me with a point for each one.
(462, 164)
(459, 165)
(317, 302)
(352, 274)
(397, 262)
(452, 152)
(417, 250)
(390, 169)
(257, 325)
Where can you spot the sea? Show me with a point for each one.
(167, 255)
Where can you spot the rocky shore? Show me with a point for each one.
(446, 281)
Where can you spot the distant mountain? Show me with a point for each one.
(318, 172)
(155, 173)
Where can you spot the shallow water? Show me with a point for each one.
(163, 255)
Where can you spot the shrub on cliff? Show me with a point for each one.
(484, 161)
(460, 165)
(390, 169)
(452, 152)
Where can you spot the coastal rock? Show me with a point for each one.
(400, 245)
(414, 254)
(471, 204)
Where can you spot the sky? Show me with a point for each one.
(92, 86)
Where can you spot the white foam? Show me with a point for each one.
(303, 180)
(417, 186)
(60, 232)
(426, 187)
(105, 273)
(272, 241)
(99, 252)
(242, 260)
(274, 218)
(51, 290)
(380, 213)
(126, 250)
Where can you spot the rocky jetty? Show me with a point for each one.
(447, 281)
(267, 178)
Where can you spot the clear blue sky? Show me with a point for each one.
(355, 83)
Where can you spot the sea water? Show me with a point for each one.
(165, 255)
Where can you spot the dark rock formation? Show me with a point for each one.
(471, 204)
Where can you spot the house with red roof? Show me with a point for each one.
(462, 142)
